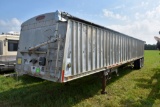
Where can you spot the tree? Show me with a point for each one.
(150, 47)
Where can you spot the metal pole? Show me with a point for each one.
(103, 83)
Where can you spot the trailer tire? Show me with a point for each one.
(135, 64)
(138, 64)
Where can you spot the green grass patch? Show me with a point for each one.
(138, 88)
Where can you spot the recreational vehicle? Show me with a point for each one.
(8, 50)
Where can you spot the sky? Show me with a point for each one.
(136, 18)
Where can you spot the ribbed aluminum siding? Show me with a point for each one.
(93, 48)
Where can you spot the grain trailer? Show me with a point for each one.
(60, 47)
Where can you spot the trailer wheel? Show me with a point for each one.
(135, 64)
(138, 64)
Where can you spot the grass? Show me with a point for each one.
(138, 88)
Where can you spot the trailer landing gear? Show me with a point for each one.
(103, 83)
(106, 75)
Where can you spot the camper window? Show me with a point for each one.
(12, 45)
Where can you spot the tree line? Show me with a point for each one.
(150, 47)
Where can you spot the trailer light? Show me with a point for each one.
(69, 65)
(19, 61)
(62, 76)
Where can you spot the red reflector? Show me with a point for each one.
(62, 75)
(40, 17)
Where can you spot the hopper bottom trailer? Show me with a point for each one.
(60, 47)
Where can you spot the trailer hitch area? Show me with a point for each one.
(34, 61)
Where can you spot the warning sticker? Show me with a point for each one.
(37, 70)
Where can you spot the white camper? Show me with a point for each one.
(8, 50)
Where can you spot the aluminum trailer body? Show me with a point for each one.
(60, 47)
(8, 51)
